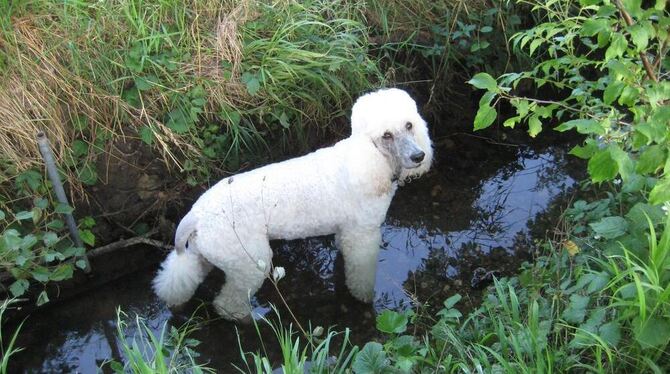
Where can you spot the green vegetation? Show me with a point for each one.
(210, 85)
(147, 353)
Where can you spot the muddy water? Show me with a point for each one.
(476, 209)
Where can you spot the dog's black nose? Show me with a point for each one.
(417, 157)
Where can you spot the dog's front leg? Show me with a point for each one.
(360, 247)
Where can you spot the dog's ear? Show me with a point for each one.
(359, 120)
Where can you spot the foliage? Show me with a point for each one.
(608, 60)
(7, 349)
(34, 244)
(318, 355)
(156, 353)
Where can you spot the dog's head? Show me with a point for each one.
(389, 118)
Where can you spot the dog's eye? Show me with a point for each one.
(387, 135)
(408, 125)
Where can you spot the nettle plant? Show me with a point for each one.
(607, 61)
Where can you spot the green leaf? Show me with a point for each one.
(623, 160)
(654, 332)
(484, 81)
(87, 174)
(2, 215)
(79, 148)
(147, 135)
(602, 167)
(28, 242)
(178, 121)
(585, 152)
(81, 264)
(640, 36)
(610, 227)
(611, 333)
(593, 26)
(612, 91)
(617, 47)
(19, 287)
(40, 274)
(62, 272)
(24, 215)
(252, 83)
(50, 238)
(584, 126)
(371, 359)
(534, 125)
(661, 191)
(392, 322)
(452, 300)
(87, 237)
(485, 117)
(638, 214)
(576, 310)
(629, 96)
(63, 208)
(12, 239)
(42, 299)
(651, 159)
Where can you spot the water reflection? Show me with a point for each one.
(465, 214)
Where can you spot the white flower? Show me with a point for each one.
(278, 273)
(617, 181)
(666, 207)
(261, 265)
(596, 237)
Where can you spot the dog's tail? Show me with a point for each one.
(183, 270)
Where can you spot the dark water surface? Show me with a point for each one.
(477, 208)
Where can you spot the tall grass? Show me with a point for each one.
(314, 354)
(201, 77)
(7, 349)
(169, 351)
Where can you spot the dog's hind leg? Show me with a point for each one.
(244, 276)
(360, 247)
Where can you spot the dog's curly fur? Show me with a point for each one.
(344, 190)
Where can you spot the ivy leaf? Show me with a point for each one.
(485, 117)
(24, 215)
(602, 167)
(484, 81)
(392, 322)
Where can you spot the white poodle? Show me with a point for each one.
(344, 190)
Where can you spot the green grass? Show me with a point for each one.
(7, 348)
(148, 352)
